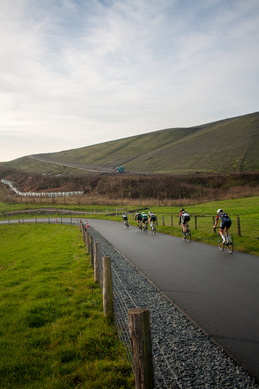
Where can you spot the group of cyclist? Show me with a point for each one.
(144, 220)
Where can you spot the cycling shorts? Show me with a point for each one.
(139, 218)
(225, 223)
(145, 219)
(186, 219)
(153, 218)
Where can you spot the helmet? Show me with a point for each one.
(181, 210)
(219, 210)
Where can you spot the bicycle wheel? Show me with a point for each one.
(230, 244)
(188, 235)
(183, 235)
(220, 243)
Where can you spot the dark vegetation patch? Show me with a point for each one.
(134, 186)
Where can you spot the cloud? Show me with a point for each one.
(93, 71)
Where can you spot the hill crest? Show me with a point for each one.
(228, 145)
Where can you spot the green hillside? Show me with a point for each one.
(229, 145)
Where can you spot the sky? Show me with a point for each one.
(74, 73)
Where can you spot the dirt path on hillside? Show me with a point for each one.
(89, 168)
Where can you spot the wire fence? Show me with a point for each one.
(122, 302)
(243, 226)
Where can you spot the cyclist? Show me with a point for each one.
(125, 218)
(144, 220)
(184, 217)
(152, 218)
(225, 223)
(138, 218)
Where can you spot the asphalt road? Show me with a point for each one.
(217, 290)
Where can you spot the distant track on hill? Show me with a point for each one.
(89, 168)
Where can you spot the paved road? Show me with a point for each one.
(218, 291)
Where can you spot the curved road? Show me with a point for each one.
(216, 290)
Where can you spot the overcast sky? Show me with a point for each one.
(79, 72)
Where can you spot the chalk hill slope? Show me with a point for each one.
(228, 145)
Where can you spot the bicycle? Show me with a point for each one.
(139, 225)
(145, 226)
(229, 243)
(186, 235)
(126, 223)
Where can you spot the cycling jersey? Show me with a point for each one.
(138, 217)
(184, 217)
(153, 217)
(225, 221)
(144, 218)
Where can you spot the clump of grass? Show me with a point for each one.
(52, 330)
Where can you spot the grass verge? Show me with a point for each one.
(52, 330)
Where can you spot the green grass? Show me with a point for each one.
(246, 208)
(52, 330)
(34, 166)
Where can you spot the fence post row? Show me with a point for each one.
(140, 336)
(107, 288)
(91, 249)
(96, 262)
(238, 226)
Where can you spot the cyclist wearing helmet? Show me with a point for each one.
(124, 217)
(225, 223)
(138, 217)
(144, 219)
(184, 217)
(152, 217)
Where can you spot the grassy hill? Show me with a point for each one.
(230, 145)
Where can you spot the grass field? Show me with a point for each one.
(246, 208)
(52, 330)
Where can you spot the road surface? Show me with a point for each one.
(217, 290)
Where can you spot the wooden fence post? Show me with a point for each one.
(196, 223)
(163, 220)
(213, 224)
(91, 250)
(86, 239)
(157, 220)
(107, 287)
(96, 262)
(238, 226)
(172, 221)
(140, 336)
